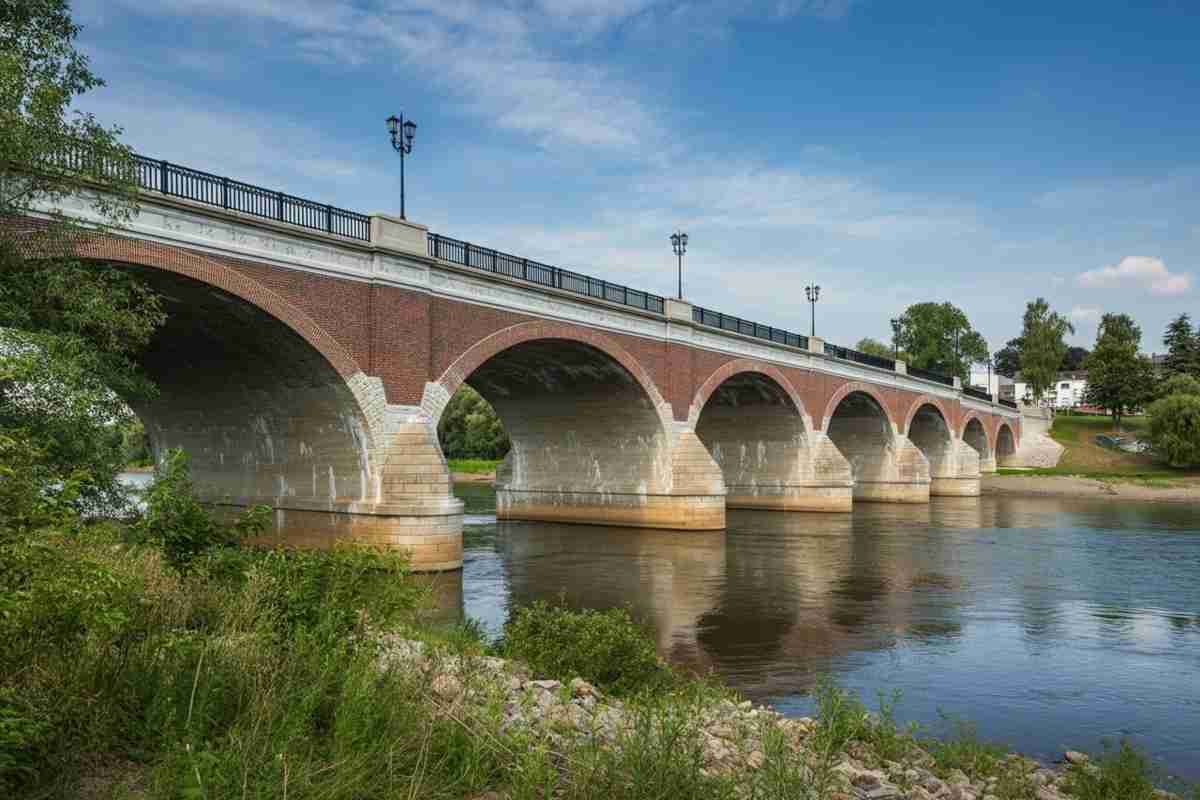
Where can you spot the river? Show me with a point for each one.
(1047, 623)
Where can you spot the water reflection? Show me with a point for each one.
(1047, 622)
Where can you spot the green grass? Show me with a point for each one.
(1082, 457)
(473, 466)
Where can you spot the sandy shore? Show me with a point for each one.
(1087, 488)
(473, 477)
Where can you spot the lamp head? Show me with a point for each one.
(393, 123)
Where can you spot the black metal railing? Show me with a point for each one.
(488, 260)
(928, 375)
(978, 394)
(846, 354)
(725, 322)
(1008, 403)
(174, 180)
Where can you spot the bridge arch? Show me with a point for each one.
(740, 366)
(884, 464)
(268, 405)
(974, 433)
(928, 400)
(1006, 445)
(593, 440)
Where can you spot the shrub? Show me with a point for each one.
(176, 520)
(1179, 384)
(1175, 429)
(1123, 773)
(606, 648)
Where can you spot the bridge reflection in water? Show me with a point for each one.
(1044, 621)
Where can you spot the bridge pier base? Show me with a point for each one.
(693, 500)
(959, 476)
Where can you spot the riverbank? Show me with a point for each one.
(1108, 487)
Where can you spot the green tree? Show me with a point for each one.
(1175, 429)
(1179, 384)
(1043, 346)
(1008, 358)
(1183, 347)
(1119, 378)
(874, 347)
(470, 428)
(939, 337)
(69, 331)
(1073, 359)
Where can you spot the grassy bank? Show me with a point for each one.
(473, 466)
(1083, 457)
(159, 659)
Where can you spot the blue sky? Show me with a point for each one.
(981, 153)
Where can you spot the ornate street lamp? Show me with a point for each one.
(679, 245)
(402, 132)
(895, 337)
(813, 292)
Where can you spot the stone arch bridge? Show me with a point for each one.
(310, 352)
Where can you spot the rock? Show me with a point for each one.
(755, 759)
(1047, 793)
(866, 779)
(1075, 757)
(881, 793)
(548, 686)
(446, 686)
(581, 688)
(958, 778)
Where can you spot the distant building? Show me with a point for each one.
(1068, 391)
(990, 381)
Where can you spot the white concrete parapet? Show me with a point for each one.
(399, 234)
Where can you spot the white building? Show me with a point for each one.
(990, 381)
(1067, 391)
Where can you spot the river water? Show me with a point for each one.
(1046, 623)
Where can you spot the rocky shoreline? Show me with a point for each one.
(490, 696)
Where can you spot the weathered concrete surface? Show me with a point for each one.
(768, 455)
(975, 436)
(953, 465)
(265, 419)
(589, 445)
(886, 466)
(1036, 448)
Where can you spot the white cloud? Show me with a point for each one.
(1081, 314)
(1141, 271)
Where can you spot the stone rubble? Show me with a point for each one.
(731, 733)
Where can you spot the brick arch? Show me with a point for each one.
(849, 388)
(988, 429)
(928, 399)
(1003, 423)
(474, 357)
(213, 273)
(736, 367)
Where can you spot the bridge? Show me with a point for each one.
(310, 352)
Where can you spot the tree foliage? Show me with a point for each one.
(1183, 347)
(1179, 384)
(874, 347)
(1043, 345)
(939, 337)
(470, 428)
(1119, 378)
(1008, 358)
(1074, 358)
(69, 331)
(1175, 429)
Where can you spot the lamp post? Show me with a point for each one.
(679, 245)
(402, 132)
(895, 337)
(813, 292)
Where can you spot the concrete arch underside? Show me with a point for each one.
(271, 410)
(953, 464)
(974, 433)
(753, 423)
(884, 464)
(592, 441)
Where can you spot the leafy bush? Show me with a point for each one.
(1179, 384)
(469, 427)
(176, 520)
(1175, 429)
(1123, 773)
(606, 648)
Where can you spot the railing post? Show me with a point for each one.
(162, 176)
(225, 193)
(329, 219)
(279, 200)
